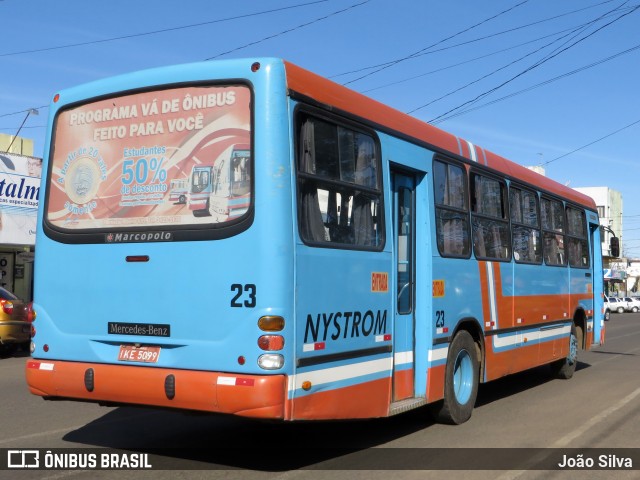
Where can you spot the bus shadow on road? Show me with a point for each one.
(177, 440)
(518, 383)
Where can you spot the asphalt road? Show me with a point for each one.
(543, 418)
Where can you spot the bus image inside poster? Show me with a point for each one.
(133, 148)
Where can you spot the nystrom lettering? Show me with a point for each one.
(338, 325)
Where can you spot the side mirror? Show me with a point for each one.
(614, 247)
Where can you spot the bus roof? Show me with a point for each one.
(326, 92)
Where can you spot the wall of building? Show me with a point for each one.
(19, 197)
(17, 145)
(609, 203)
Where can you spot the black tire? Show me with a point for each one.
(567, 366)
(607, 315)
(620, 309)
(461, 381)
(634, 309)
(182, 199)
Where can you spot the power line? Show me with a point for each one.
(337, 12)
(23, 111)
(389, 63)
(532, 67)
(541, 84)
(591, 143)
(513, 62)
(154, 32)
(395, 62)
(23, 128)
(466, 61)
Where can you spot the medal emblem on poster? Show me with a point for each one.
(82, 181)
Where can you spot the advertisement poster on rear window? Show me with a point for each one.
(171, 157)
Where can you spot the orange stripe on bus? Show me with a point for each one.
(330, 93)
(325, 91)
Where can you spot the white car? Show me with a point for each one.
(633, 304)
(615, 304)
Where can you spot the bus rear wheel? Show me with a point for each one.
(461, 381)
(567, 366)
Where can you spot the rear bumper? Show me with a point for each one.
(14, 332)
(198, 202)
(259, 396)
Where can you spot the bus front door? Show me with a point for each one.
(404, 226)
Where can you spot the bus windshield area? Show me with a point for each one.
(200, 180)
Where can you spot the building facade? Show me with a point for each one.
(19, 192)
(18, 145)
(620, 279)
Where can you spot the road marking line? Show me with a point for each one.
(41, 434)
(566, 440)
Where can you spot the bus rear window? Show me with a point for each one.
(162, 159)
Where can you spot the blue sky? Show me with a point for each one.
(543, 77)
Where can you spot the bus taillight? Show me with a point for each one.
(271, 342)
(31, 317)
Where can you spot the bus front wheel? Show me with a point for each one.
(461, 381)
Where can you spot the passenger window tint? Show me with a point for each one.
(452, 216)
(525, 226)
(553, 232)
(340, 199)
(491, 235)
(577, 243)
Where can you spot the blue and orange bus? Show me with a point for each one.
(378, 264)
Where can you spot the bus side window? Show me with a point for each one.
(452, 216)
(339, 187)
(552, 212)
(491, 233)
(577, 244)
(525, 221)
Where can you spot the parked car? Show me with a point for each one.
(633, 304)
(616, 304)
(607, 309)
(15, 321)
